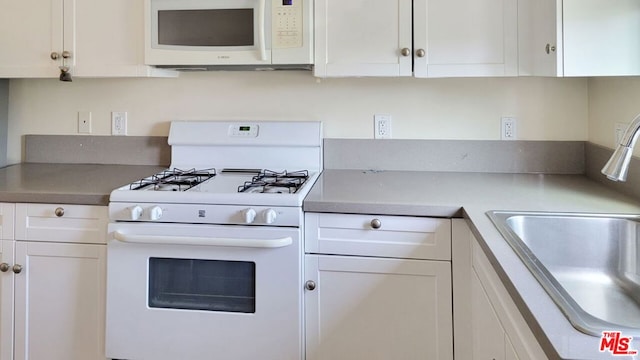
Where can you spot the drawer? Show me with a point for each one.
(61, 223)
(7, 213)
(403, 237)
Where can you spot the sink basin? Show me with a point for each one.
(589, 264)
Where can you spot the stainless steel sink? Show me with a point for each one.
(589, 264)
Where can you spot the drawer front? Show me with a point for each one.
(61, 223)
(7, 213)
(401, 237)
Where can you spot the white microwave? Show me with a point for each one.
(203, 33)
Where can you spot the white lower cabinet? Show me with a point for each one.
(371, 290)
(52, 292)
(6, 301)
(487, 323)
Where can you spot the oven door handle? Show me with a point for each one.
(206, 241)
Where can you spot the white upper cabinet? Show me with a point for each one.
(579, 37)
(93, 38)
(30, 30)
(109, 39)
(452, 38)
(354, 38)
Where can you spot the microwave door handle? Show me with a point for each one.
(206, 241)
(261, 21)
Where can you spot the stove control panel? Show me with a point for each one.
(206, 214)
(243, 130)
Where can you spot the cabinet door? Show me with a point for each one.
(59, 301)
(7, 215)
(30, 30)
(6, 301)
(373, 308)
(465, 38)
(354, 38)
(509, 351)
(109, 39)
(486, 319)
(601, 37)
(488, 337)
(540, 42)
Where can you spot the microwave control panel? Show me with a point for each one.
(287, 23)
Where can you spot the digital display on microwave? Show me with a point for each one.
(245, 128)
(206, 27)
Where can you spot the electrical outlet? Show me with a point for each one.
(381, 126)
(84, 122)
(619, 130)
(118, 123)
(508, 128)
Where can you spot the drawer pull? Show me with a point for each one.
(17, 268)
(4, 267)
(376, 223)
(59, 212)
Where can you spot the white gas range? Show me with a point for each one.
(205, 259)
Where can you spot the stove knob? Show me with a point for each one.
(249, 215)
(155, 213)
(270, 216)
(135, 212)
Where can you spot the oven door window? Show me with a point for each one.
(204, 27)
(212, 285)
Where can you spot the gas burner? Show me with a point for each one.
(275, 182)
(174, 180)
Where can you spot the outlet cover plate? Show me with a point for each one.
(381, 126)
(118, 123)
(508, 128)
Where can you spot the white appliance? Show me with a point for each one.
(202, 33)
(206, 262)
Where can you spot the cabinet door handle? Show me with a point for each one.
(59, 212)
(405, 52)
(421, 53)
(17, 268)
(376, 223)
(54, 55)
(4, 267)
(310, 285)
(549, 48)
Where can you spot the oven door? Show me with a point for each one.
(182, 291)
(208, 32)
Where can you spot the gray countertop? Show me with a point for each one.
(471, 195)
(88, 184)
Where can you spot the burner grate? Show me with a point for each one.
(275, 182)
(174, 180)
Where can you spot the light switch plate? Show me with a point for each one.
(84, 122)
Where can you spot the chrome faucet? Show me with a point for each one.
(618, 165)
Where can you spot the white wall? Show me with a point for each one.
(546, 108)
(612, 100)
